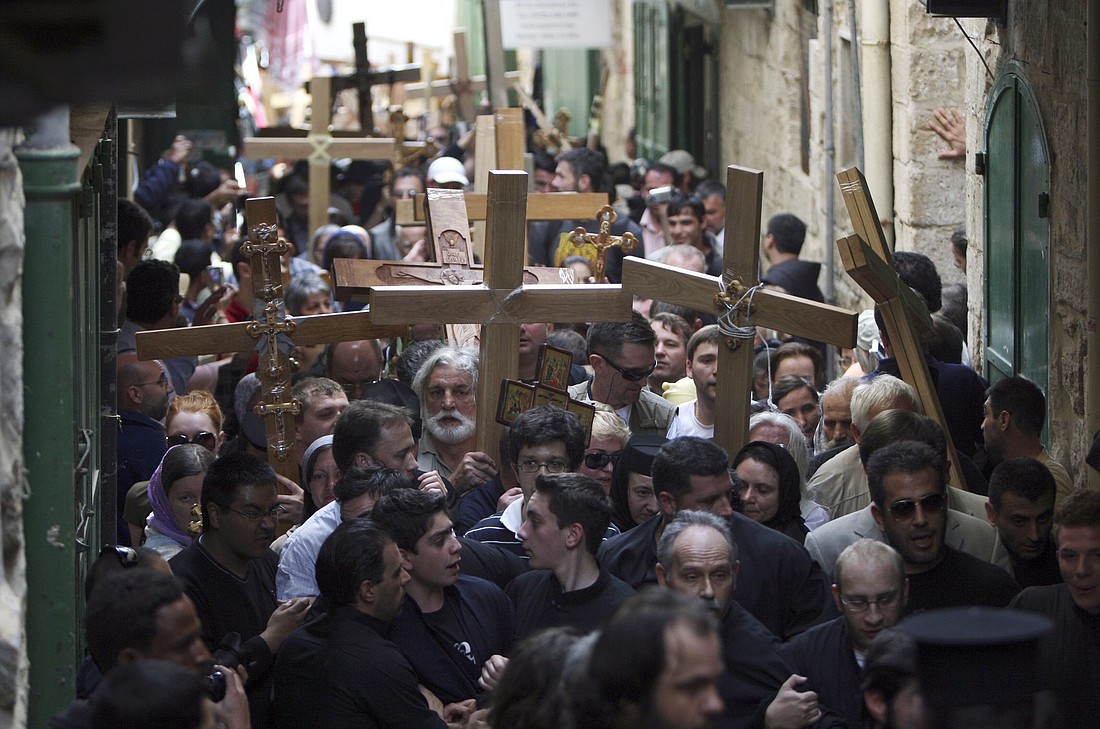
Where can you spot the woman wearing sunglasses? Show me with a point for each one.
(194, 418)
(609, 437)
(769, 485)
(174, 491)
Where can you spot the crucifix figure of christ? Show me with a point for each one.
(273, 333)
(499, 303)
(603, 241)
(740, 302)
(868, 260)
(320, 147)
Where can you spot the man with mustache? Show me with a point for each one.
(447, 387)
(870, 592)
(229, 572)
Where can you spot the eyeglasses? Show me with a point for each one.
(630, 375)
(405, 194)
(275, 513)
(551, 467)
(905, 508)
(599, 459)
(860, 604)
(161, 382)
(127, 556)
(204, 438)
(355, 390)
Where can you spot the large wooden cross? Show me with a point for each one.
(752, 305)
(501, 302)
(868, 260)
(272, 335)
(320, 147)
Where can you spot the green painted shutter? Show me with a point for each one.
(1017, 244)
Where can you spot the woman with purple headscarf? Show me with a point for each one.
(174, 490)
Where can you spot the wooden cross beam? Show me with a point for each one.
(540, 206)
(320, 147)
(741, 258)
(868, 260)
(501, 301)
(273, 334)
(365, 77)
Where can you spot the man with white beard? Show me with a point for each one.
(447, 385)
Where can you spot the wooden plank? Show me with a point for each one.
(510, 139)
(299, 148)
(877, 278)
(540, 206)
(472, 305)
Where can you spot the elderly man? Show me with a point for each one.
(834, 433)
(909, 505)
(446, 384)
(778, 583)
(1070, 656)
(622, 357)
(870, 592)
(697, 557)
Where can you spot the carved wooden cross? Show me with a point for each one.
(540, 206)
(320, 147)
(736, 294)
(603, 241)
(868, 260)
(501, 301)
(272, 335)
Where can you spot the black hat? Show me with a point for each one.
(640, 451)
(396, 392)
(970, 656)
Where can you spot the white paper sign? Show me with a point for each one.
(555, 23)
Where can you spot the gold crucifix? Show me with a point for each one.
(603, 241)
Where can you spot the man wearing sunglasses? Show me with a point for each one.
(909, 505)
(622, 355)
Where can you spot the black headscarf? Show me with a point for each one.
(788, 517)
(637, 457)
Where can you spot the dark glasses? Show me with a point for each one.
(905, 508)
(630, 375)
(599, 459)
(203, 438)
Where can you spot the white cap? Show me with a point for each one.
(447, 170)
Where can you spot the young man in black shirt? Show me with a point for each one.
(564, 526)
(452, 627)
(1021, 509)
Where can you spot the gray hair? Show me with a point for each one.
(884, 392)
(661, 255)
(464, 359)
(685, 520)
(866, 551)
(301, 288)
(796, 442)
(841, 387)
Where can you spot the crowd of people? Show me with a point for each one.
(631, 573)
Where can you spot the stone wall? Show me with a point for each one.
(1048, 39)
(13, 659)
(761, 69)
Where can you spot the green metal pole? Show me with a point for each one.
(51, 183)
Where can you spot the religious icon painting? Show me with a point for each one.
(586, 413)
(553, 366)
(515, 397)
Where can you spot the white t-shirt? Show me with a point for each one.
(685, 423)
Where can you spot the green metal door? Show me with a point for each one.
(571, 77)
(652, 93)
(1017, 233)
